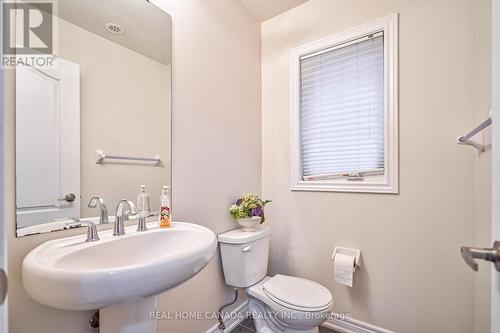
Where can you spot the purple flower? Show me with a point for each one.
(257, 212)
(238, 202)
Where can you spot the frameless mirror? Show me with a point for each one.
(98, 123)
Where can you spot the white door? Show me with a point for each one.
(495, 230)
(47, 143)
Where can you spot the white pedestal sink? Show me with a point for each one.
(120, 275)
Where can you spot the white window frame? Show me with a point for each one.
(389, 181)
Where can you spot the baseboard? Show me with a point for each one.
(236, 317)
(349, 325)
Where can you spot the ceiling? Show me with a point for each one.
(265, 9)
(147, 28)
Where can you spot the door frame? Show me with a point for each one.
(495, 106)
(3, 238)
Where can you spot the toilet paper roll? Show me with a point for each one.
(343, 267)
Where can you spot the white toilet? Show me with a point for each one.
(280, 303)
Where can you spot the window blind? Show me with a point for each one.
(342, 110)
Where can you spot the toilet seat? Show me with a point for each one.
(300, 311)
(297, 293)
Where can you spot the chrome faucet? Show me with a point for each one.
(118, 227)
(92, 235)
(103, 208)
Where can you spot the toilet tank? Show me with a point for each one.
(244, 256)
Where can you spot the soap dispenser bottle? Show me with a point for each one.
(165, 215)
(143, 205)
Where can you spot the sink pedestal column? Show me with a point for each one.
(129, 317)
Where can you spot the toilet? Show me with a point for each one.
(279, 304)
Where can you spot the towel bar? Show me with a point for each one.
(101, 156)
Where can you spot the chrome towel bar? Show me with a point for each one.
(465, 139)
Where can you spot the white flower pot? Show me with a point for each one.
(249, 223)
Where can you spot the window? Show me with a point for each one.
(344, 111)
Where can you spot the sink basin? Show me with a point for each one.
(71, 274)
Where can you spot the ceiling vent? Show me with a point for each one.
(114, 28)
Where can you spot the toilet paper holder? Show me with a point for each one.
(349, 252)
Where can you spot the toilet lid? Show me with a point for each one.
(298, 293)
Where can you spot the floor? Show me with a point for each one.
(247, 326)
(326, 330)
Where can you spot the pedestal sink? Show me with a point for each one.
(120, 275)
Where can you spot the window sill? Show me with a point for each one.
(364, 186)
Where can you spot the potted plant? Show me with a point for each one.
(249, 211)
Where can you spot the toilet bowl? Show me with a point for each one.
(279, 304)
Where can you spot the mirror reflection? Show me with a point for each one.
(96, 128)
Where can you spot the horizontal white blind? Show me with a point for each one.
(342, 109)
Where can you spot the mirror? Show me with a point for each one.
(99, 122)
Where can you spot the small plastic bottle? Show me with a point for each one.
(143, 205)
(165, 215)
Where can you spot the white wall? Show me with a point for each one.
(216, 132)
(413, 278)
(216, 154)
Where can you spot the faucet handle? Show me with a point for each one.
(141, 225)
(92, 235)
